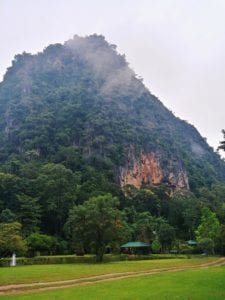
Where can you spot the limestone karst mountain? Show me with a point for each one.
(80, 104)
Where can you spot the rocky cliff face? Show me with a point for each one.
(148, 168)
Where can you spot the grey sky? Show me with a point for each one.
(176, 46)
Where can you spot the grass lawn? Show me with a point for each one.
(43, 273)
(190, 284)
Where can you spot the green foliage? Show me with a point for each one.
(214, 199)
(38, 243)
(209, 226)
(29, 213)
(144, 227)
(7, 216)
(184, 214)
(156, 246)
(184, 248)
(11, 239)
(48, 260)
(208, 229)
(207, 245)
(97, 223)
(57, 191)
(9, 187)
(166, 234)
(222, 143)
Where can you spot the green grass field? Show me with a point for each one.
(43, 273)
(207, 284)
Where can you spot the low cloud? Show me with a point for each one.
(106, 64)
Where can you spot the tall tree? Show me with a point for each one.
(222, 143)
(57, 191)
(29, 213)
(11, 239)
(209, 228)
(97, 222)
(144, 227)
(9, 187)
(166, 234)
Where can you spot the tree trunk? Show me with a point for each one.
(99, 254)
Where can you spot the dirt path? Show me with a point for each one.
(43, 286)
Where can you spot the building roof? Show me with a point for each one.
(135, 245)
(192, 243)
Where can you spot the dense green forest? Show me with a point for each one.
(70, 116)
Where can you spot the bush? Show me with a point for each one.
(45, 260)
(206, 245)
(73, 259)
(185, 249)
(41, 244)
(11, 239)
(156, 246)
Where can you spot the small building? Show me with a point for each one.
(135, 248)
(192, 243)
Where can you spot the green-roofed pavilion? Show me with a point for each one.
(135, 248)
(192, 243)
(134, 245)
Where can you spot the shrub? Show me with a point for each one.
(156, 246)
(185, 249)
(73, 259)
(41, 243)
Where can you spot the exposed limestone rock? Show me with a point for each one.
(147, 169)
(142, 171)
(179, 180)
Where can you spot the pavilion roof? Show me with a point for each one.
(134, 245)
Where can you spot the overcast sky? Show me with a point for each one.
(176, 46)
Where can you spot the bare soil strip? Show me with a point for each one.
(43, 286)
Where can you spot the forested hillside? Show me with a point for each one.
(77, 123)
